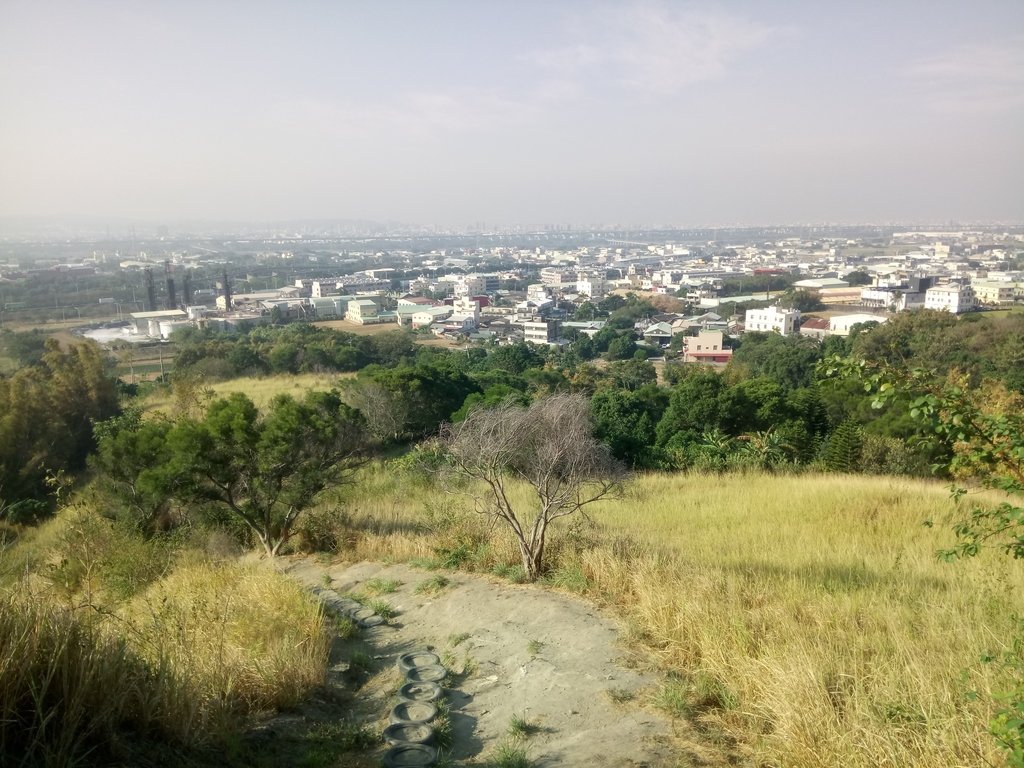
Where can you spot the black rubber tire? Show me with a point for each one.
(363, 613)
(410, 756)
(434, 673)
(412, 712)
(408, 733)
(420, 691)
(370, 621)
(408, 661)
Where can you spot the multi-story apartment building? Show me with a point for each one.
(541, 331)
(953, 298)
(993, 293)
(782, 321)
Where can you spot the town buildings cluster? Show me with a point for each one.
(536, 292)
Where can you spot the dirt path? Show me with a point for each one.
(533, 653)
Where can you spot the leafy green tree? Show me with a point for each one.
(585, 311)
(767, 449)
(625, 422)
(46, 417)
(622, 347)
(695, 406)
(266, 469)
(131, 465)
(489, 398)
(789, 360)
(516, 358)
(546, 381)
(428, 395)
(858, 277)
(25, 348)
(632, 374)
(805, 301)
(284, 357)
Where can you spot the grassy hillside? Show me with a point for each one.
(806, 620)
(261, 390)
(120, 650)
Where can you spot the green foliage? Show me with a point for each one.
(46, 417)
(621, 347)
(940, 342)
(522, 727)
(693, 695)
(695, 406)
(586, 311)
(23, 348)
(515, 358)
(381, 586)
(805, 301)
(263, 470)
(625, 421)
(842, 451)
(426, 395)
(787, 360)
(433, 586)
(511, 754)
(382, 608)
(489, 398)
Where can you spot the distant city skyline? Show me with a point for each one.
(526, 113)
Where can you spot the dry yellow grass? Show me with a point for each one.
(242, 637)
(261, 390)
(184, 661)
(373, 329)
(814, 607)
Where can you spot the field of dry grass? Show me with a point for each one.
(806, 620)
(261, 390)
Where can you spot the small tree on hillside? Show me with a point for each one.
(267, 468)
(550, 447)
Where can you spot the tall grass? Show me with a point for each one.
(805, 617)
(243, 637)
(89, 677)
(68, 689)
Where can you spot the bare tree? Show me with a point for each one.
(550, 447)
(386, 414)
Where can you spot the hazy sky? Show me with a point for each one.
(514, 112)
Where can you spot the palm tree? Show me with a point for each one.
(767, 448)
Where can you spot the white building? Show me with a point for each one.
(992, 292)
(782, 321)
(362, 311)
(840, 325)
(591, 285)
(554, 276)
(465, 306)
(429, 315)
(541, 331)
(950, 298)
(470, 285)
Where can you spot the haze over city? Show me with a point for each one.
(503, 114)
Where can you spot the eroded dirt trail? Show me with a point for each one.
(540, 655)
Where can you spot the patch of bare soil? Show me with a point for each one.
(530, 653)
